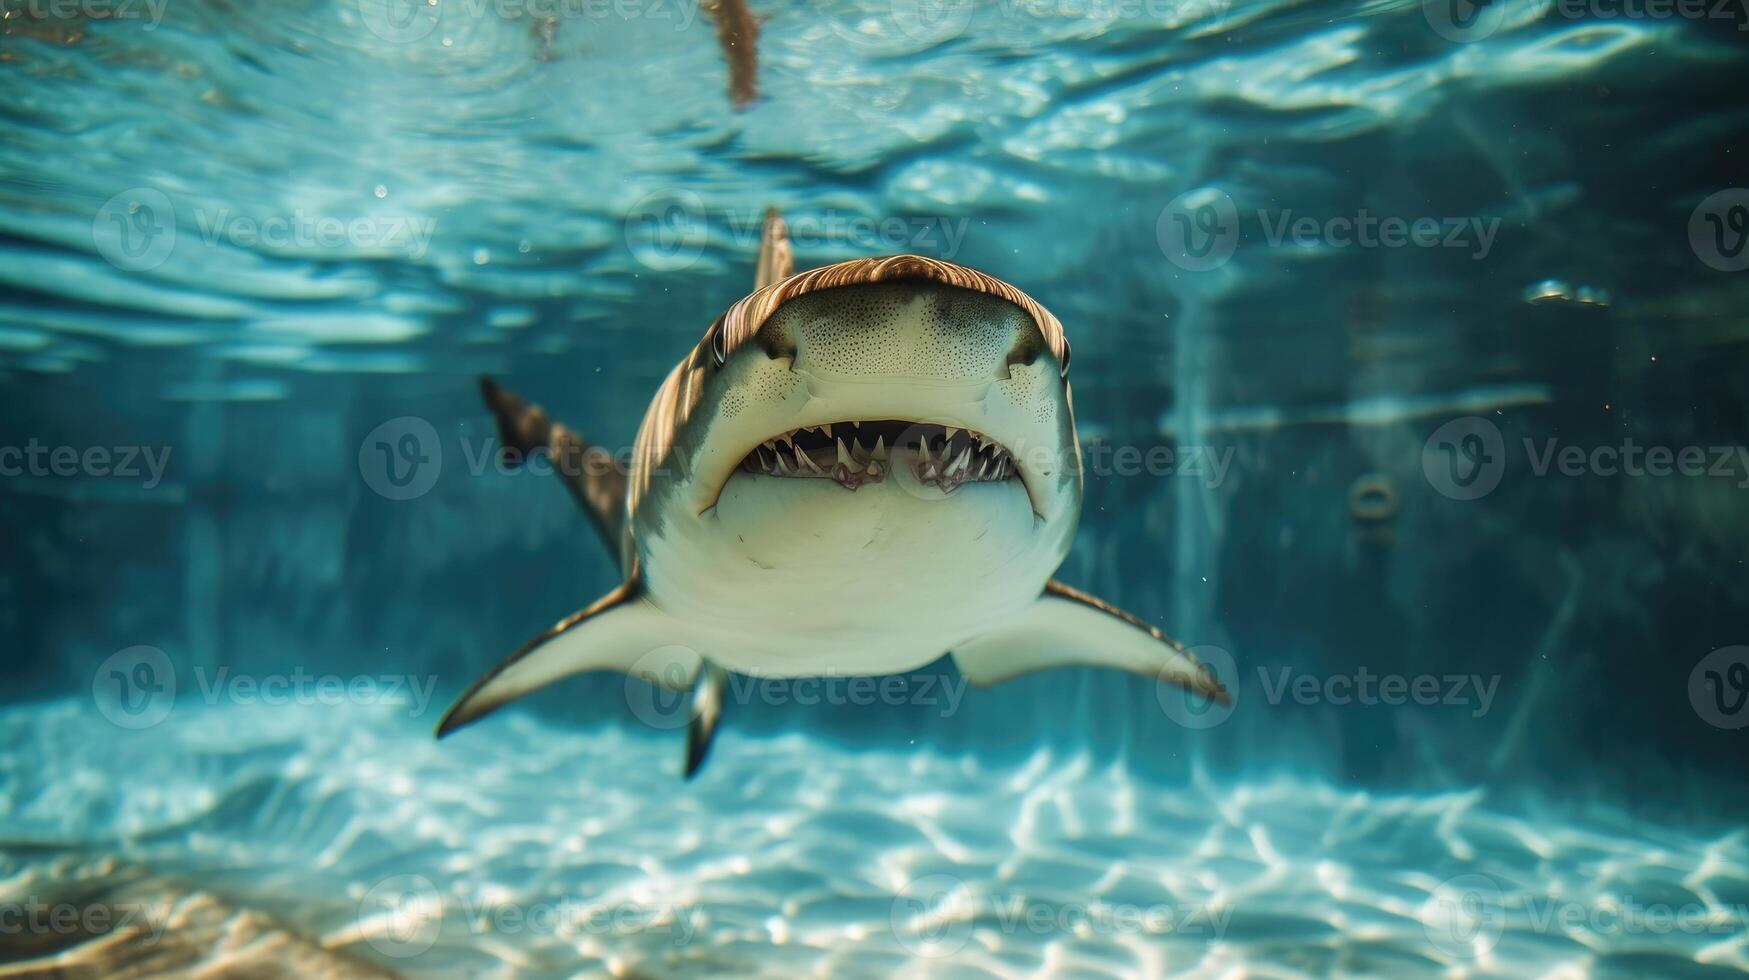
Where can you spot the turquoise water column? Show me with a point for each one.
(1198, 234)
(203, 580)
(1194, 508)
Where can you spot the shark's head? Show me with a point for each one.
(888, 412)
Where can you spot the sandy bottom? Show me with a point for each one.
(311, 841)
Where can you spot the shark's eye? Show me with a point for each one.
(1065, 366)
(717, 350)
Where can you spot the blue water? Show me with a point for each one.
(1489, 712)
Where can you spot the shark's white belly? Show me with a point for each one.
(793, 578)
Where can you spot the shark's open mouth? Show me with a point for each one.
(859, 452)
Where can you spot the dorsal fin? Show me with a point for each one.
(776, 261)
(589, 472)
(777, 258)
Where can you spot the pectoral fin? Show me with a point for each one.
(589, 472)
(1069, 628)
(621, 631)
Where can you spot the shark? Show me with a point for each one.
(857, 470)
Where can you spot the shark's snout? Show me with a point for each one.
(920, 333)
(901, 373)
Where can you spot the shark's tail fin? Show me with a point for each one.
(590, 473)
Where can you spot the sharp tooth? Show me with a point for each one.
(782, 467)
(960, 462)
(844, 456)
(984, 470)
(923, 449)
(827, 428)
(880, 447)
(807, 461)
(951, 432)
